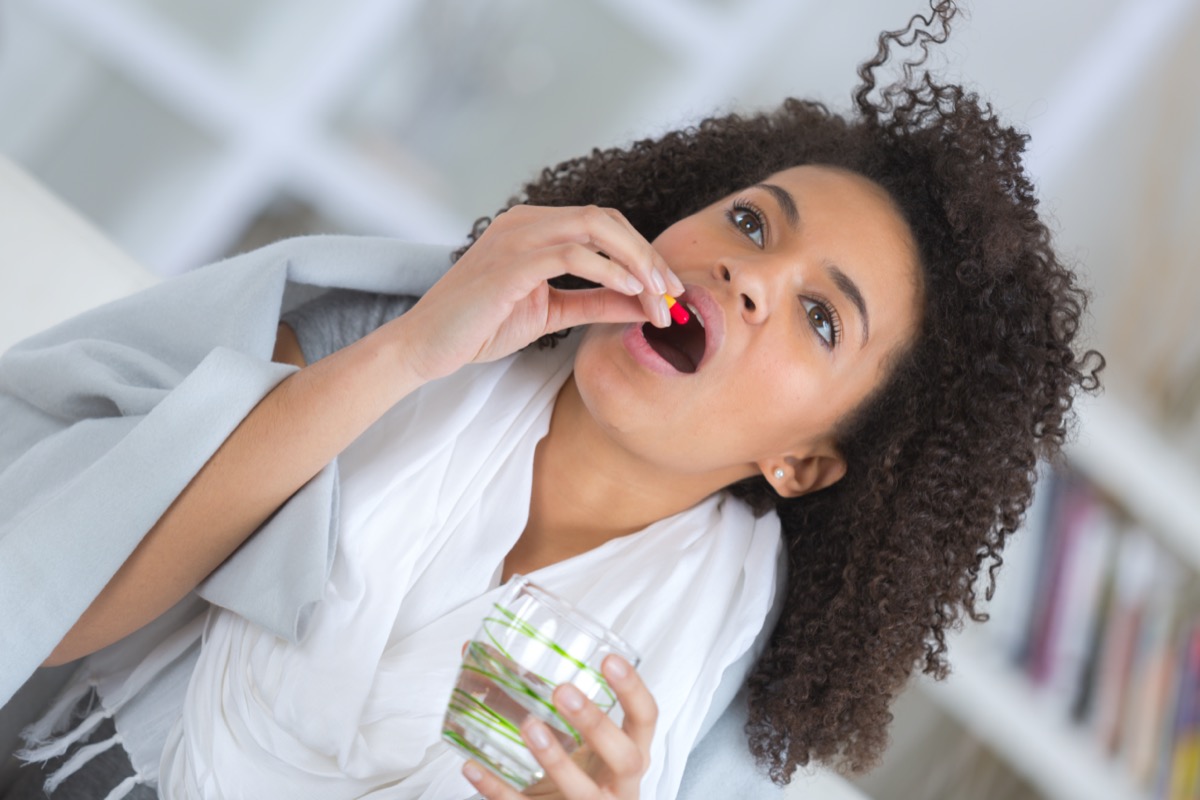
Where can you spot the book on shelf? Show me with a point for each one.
(1011, 606)
(1104, 623)
(1079, 599)
(1129, 585)
(1180, 776)
(1154, 668)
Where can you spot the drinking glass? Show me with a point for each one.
(531, 642)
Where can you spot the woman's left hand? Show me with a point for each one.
(612, 760)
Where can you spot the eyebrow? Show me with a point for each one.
(850, 289)
(847, 286)
(786, 202)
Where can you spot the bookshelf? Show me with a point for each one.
(246, 103)
(1114, 447)
(997, 704)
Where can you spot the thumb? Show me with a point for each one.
(569, 308)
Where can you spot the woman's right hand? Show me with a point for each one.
(495, 299)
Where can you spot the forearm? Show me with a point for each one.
(492, 302)
(293, 433)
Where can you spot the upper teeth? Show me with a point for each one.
(695, 313)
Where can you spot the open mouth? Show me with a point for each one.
(681, 346)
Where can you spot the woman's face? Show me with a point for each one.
(805, 283)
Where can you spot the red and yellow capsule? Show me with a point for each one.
(678, 312)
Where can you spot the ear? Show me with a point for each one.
(793, 476)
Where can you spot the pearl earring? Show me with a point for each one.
(779, 473)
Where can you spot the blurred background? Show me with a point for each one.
(190, 129)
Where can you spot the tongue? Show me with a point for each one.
(672, 354)
(674, 357)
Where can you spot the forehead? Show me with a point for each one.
(854, 223)
(839, 200)
(846, 210)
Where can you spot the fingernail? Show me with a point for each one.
(473, 773)
(634, 285)
(571, 697)
(616, 667)
(677, 286)
(537, 734)
(664, 313)
(656, 280)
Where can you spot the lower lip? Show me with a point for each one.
(635, 342)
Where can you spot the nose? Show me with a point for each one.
(754, 287)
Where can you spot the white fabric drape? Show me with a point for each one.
(433, 498)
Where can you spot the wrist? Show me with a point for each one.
(402, 349)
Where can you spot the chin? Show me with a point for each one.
(606, 382)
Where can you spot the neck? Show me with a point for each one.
(588, 489)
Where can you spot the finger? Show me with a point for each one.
(657, 310)
(582, 262)
(576, 259)
(626, 758)
(588, 243)
(535, 219)
(641, 712)
(598, 230)
(568, 776)
(658, 277)
(674, 285)
(569, 308)
(488, 784)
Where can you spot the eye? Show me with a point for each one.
(749, 220)
(824, 320)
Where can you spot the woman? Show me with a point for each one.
(887, 351)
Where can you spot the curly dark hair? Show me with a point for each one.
(942, 457)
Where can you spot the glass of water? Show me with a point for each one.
(529, 643)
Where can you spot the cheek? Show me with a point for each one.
(677, 243)
(771, 408)
(592, 359)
